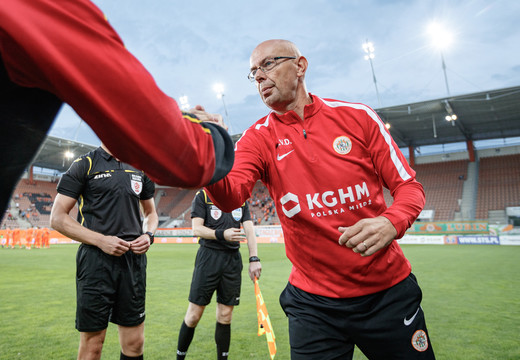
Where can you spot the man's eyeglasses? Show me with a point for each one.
(268, 65)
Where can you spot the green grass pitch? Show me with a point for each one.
(471, 301)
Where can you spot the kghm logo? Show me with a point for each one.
(326, 203)
(342, 145)
(295, 209)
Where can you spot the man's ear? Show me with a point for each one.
(302, 66)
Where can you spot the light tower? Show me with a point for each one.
(219, 89)
(183, 100)
(368, 48)
(441, 39)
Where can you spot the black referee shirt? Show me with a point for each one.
(108, 193)
(214, 218)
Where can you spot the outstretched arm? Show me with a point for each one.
(68, 48)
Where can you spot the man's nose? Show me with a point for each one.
(260, 75)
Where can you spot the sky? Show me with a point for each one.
(190, 46)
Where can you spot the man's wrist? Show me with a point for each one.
(219, 234)
(151, 236)
(254, 259)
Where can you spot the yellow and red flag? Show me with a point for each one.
(264, 323)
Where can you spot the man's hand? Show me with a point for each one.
(140, 245)
(112, 245)
(234, 234)
(368, 236)
(255, 269)
(204, 116)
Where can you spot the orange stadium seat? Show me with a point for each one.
(442, 192)
(498, 184)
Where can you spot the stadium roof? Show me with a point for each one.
(485, 115)
(493, 114)
(51, 154)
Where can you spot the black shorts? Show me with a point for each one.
(219, 270)
(386, 325)
(109, 288)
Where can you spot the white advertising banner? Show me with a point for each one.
(510, 240)
(422, 239)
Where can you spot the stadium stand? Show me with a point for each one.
(182, 203)
(166, 201)
(262, 207)
(443, 182)
(498, 184)
(31, 204)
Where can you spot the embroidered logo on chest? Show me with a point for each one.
(136, 184)
(237, 214)
(215, 212)
(342, 145)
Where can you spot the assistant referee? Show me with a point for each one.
(218, 267)
(111, 261)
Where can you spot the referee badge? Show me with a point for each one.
(215, 212)
(136, 184)
(237, 214)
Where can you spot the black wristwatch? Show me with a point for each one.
(254, 259)
(151, 236)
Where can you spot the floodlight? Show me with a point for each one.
(368, 48)
(441, 37)
(183, 100)
(219, 89)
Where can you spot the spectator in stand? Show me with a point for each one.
(53, 52)
(350, 282)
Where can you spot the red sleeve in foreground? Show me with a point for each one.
(232, 191)
(68, 48)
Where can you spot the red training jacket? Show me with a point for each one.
(322, 173)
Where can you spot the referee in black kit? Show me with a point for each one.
(111, 261)
(218, 266)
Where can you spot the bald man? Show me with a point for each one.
(325, 163)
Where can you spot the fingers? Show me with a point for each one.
(234, 234)
(115, 246)
(363, 248)
(367, 236)
(205, 116)
(348, 234)
(255, 270)
(140, 245)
